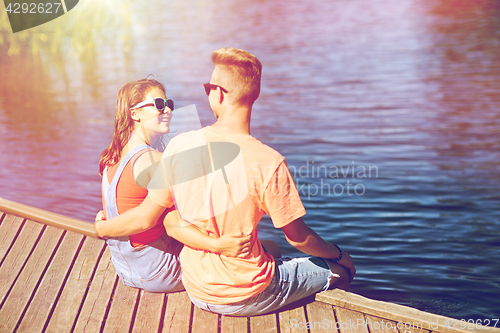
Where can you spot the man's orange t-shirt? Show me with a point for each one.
(225, 186)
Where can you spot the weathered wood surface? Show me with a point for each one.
(52, 280)
(416, 319)
(46, 217)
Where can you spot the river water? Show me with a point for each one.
(388, 113)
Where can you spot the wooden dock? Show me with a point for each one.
(56, 276)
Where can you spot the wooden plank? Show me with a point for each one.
(29, 277)
(204, 321)
(349, 321)
(46, 217)
(121, 312)
(17, 256)
(410, 328)
(321, 317)
(394, 312)
(381, 325)
(149, 312)
(51, 285)
(264, 324)
(178, 313)
(93, 311)
(72, 296)
(293, 321)
(8, 231)
(234, 324)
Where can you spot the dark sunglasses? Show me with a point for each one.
(209, 86)
(159, 104)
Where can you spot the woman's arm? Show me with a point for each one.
(231, 245)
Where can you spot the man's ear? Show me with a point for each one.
(221, 97)
(134, 115)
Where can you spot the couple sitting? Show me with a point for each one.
(209, 191)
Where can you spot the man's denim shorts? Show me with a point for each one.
(294, 279)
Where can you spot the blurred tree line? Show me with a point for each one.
(73, 33)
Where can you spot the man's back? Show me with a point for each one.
(231, 196)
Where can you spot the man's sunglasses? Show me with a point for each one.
(159, 104)
(209, 86)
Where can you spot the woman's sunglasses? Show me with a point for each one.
(159, 104)
(209, 86)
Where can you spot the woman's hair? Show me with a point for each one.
(129, 95)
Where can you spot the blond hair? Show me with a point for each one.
(241, 72)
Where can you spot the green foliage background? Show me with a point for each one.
(72, 33)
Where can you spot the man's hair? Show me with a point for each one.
(241, 72)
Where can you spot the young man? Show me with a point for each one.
(241, 180)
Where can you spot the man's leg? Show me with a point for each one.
(341, 279)
(294, 279)
(271, 247)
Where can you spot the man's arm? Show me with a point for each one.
(231, 245)
(306, 240)
(146, 215)
(133, 221)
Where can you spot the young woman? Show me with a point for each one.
(147, 260)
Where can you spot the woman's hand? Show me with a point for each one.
(233, 245)
(100, 216)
